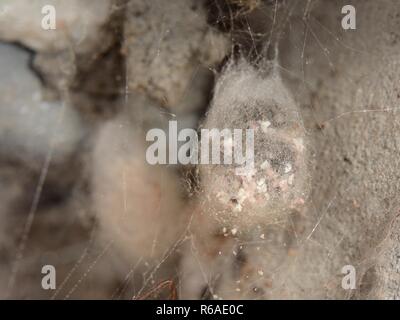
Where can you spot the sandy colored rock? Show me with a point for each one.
(166, 47)
(30, 125)
(78, 24)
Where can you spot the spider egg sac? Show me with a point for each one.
(134, 201)
(277, 183)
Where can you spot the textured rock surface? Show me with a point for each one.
(344, 82)
(30, 125)
(78, 25)
(386, 272)
(347, 84)
(166, 47)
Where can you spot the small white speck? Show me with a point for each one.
(221, 196)
(262, 188)
(265, 125)
(265, 165)
(299, 143)
(290, 179)
(242, 195)
(260, 272)
(262, 236)
(237, 289)
(246, 172)
(234, 231)
(237, 208)
(288, 167)
(261, 181)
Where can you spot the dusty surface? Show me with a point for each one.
(349, 86)
(78, 25)
(167, 52)
(75, 189)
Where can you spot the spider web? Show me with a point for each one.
(240, 21)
